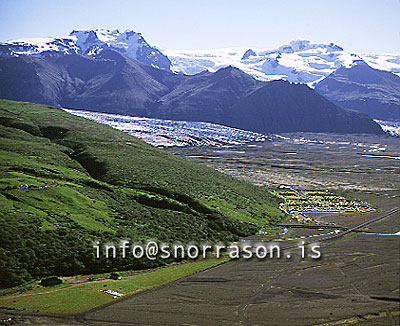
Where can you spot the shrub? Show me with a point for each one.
(50, 281)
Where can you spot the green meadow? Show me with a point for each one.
(69, 298)
(87, 181)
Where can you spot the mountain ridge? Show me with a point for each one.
(89, 42)
(277, 117)
(299, 61)
(363, 88)
(113, 83)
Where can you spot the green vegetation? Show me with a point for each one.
(87, 181)
(81, 297)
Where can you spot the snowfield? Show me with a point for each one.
(88, 42)
(79, 41)
(300, 61)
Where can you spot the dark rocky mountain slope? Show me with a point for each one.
(113, 83)
(283, 107)
(365, 89)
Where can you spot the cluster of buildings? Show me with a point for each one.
(297, 203)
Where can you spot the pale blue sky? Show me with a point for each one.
(363, 26)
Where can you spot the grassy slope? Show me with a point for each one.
(104, 184)
(82, 297)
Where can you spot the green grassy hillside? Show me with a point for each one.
(88, 181)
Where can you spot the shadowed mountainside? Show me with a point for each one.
(362, 88)
(312, 112)
(112, 83)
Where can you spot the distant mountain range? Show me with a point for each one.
(365, 89)
(300, 61)
(107, 81)
(89, 42)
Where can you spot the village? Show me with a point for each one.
(298, 203)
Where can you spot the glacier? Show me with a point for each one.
(300, 61)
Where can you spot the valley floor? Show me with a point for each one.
(356, 280)
(309, 161)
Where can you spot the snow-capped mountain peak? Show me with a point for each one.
(88, 42)
(127, 42)
(300, 61)
(304, 45)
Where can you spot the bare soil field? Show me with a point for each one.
(311, 161)
(356, 281)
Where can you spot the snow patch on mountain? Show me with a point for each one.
(300, 61)
(39, 47)
(391, 127)
(387, 62)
